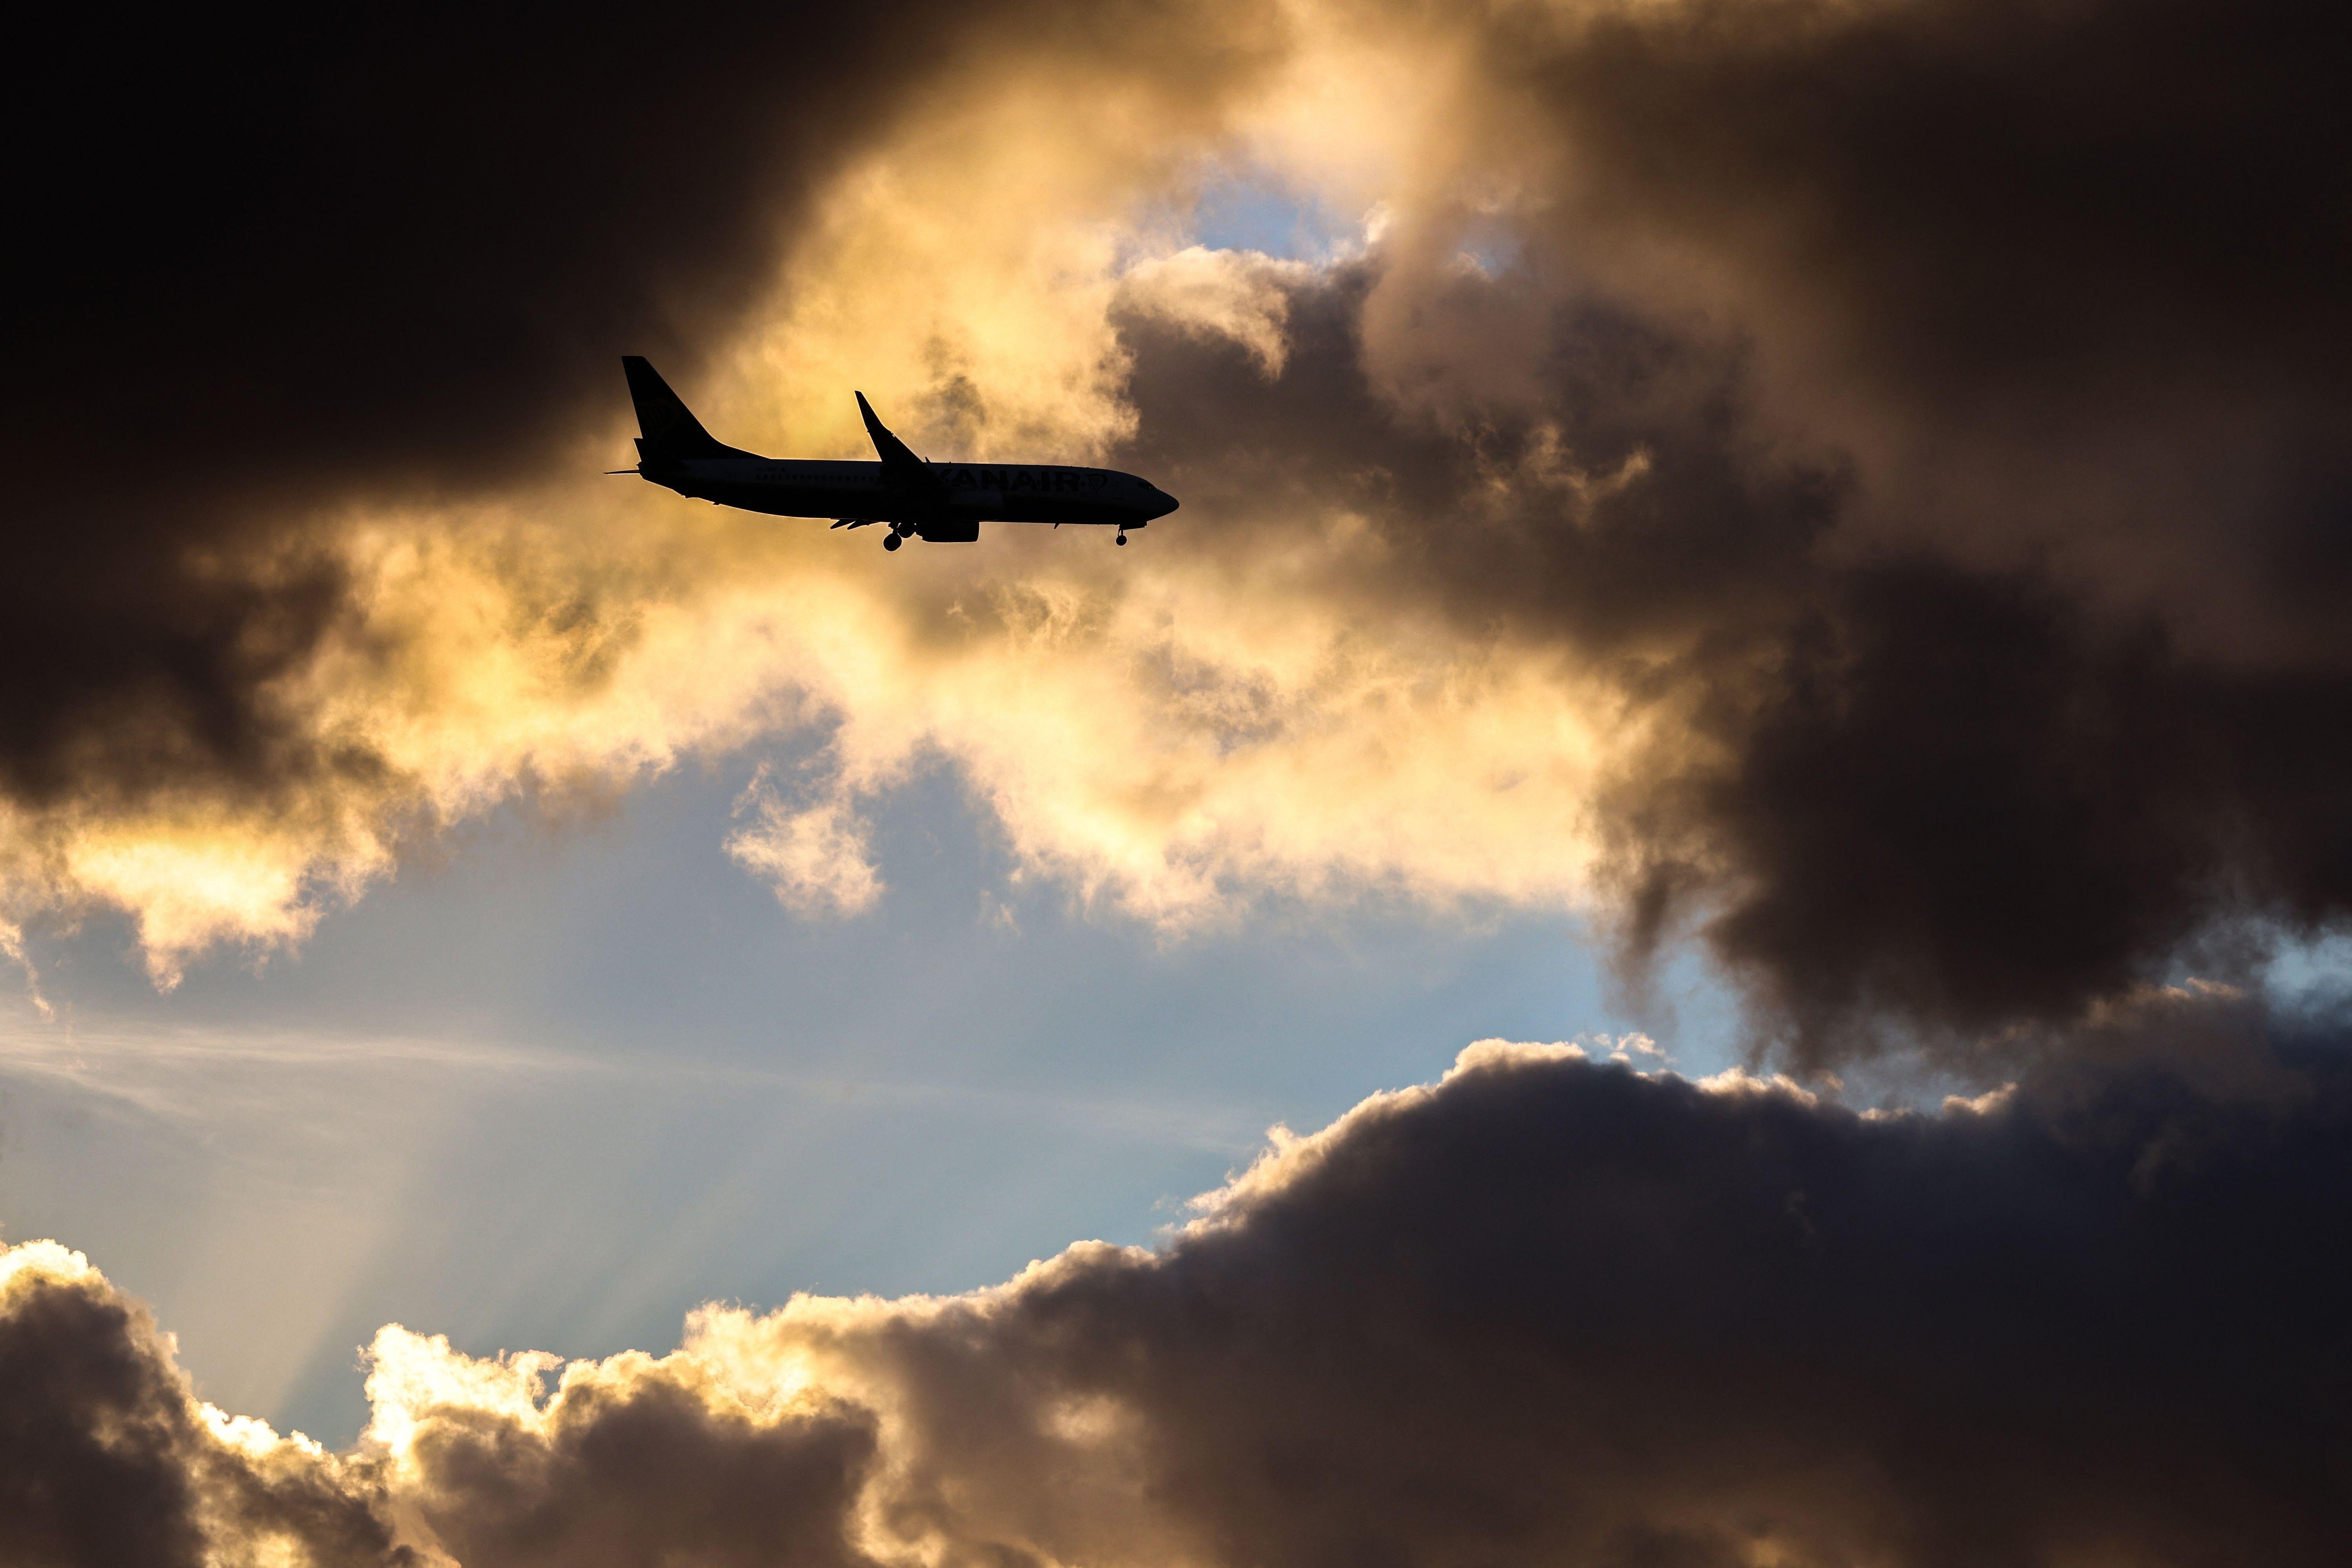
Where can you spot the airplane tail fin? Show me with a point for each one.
(669, 428)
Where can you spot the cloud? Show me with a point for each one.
(1234, 295)
(1875, 509)
(631, 1460)
(2049, 703)
(402, 256)
(1547, 1308)
(817, 857)
(1918, 394)
(109, 1457)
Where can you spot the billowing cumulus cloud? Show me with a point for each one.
(2066, 682)
(314, 324)
(1544, 1311)
(1860, 483)
(109, 1459)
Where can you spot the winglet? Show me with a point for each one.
(895, 455)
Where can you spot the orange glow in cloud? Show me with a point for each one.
(1171, 731)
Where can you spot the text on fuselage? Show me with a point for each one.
(1056, 481)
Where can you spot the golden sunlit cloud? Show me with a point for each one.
(1169, 730)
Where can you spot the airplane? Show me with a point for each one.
(943, 503)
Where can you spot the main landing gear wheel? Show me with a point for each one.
(891, 541)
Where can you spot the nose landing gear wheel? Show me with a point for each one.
(1121, 540)
(891, 541)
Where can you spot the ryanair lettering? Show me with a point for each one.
(1057, 481)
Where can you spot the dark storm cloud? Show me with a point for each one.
(2045, 199)
(1545, 1312)
(1555, 1312)
(2071, 271)
(1616, 494)
(647, 1472)
(1949, 796)
(104, 1458)
(1951, 404)
(2082, 698)
(265, 265)
(1960, 803)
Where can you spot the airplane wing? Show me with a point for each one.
(899, 464)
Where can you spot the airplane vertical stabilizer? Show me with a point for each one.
(670, 429)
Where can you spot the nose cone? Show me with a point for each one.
(1162, 503)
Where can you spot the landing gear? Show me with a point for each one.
(1122, 537)
(891, 541)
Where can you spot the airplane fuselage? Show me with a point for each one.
(957, 497)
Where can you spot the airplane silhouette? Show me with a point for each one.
(944, 503)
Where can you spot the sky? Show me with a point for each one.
(1697, 910)
(670, 1086)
